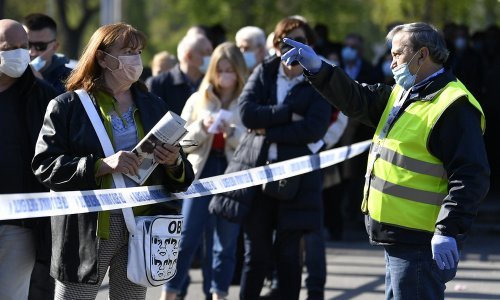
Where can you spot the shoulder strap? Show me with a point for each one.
(107, 147)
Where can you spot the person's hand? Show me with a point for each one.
(260, 131)
(166, 154)
(125, 162)
(208, 121)
(227, 128)
(444, 251)
(302, 53)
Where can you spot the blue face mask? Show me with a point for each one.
(460, 43)
(349, 54)
(38, 63)
(204, 66)
(250, 59)
(403, 76)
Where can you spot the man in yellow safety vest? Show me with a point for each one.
(427, 169)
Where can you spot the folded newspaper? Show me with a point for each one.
(169, 130)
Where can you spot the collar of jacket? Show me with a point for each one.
(429, 91)
(58, 60)
(178, 78)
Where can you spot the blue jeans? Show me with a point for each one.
(220, 241)
(411, 273)
(315, 261)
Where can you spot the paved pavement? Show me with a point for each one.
(355, 270)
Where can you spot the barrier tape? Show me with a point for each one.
(33, 205)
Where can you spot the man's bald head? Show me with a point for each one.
(12, 35)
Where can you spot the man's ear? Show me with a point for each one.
(424, 53)
(188, 56)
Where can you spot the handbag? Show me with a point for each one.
(235, 205)
(153, 245)
(284, 189)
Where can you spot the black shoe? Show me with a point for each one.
(315, 296)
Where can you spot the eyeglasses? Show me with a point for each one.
(39, 46)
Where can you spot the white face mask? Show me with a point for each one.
(250, 59)
(204, 65)
(13, 63)
(129, 69)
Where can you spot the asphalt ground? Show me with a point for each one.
(355, 270)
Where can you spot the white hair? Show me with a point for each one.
(253, 34)
(188, 43)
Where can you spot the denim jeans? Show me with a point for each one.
(17, 258)
(220, 242)
(411, 273)
(315, 261)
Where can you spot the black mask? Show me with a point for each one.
(284, 48)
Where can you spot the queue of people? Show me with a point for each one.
(419, 187)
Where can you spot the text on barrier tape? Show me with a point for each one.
(33, 205)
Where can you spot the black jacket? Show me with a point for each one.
(66, 152)
(34, 95)
(259, 110)
(173, 87)
(456, 140)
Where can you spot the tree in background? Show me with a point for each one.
(166, 21)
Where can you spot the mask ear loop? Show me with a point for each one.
(120, 65)
(419, 65)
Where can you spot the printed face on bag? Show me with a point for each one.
(164, 252)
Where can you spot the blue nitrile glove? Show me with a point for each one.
(444, 251)
(302, 53)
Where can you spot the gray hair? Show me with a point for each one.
(423, 35)
(253, 34)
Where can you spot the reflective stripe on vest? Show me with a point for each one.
(407, 184)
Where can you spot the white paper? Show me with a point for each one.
(169, 130)
(221, 116)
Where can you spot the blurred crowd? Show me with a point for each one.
(212, 71)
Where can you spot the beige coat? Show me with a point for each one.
(198, 155)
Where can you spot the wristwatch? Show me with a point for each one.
(177, 162)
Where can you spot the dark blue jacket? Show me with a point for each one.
(173, 87)
(57, 73)
(259, 110)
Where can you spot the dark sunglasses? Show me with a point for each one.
(39, 46)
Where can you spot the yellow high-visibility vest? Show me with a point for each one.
(406, 184)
